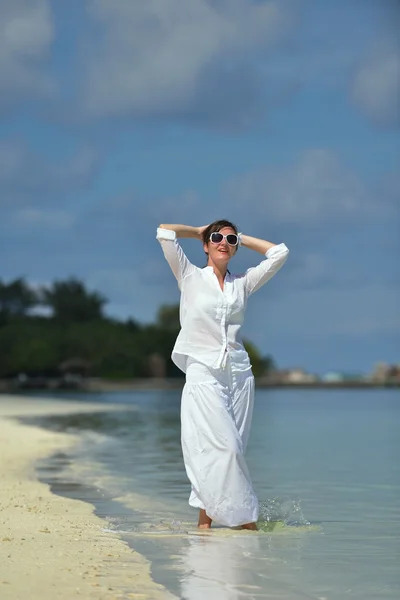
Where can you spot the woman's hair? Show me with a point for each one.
(217, 226)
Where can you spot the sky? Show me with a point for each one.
(281, 116)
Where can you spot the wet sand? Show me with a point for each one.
(53, 547)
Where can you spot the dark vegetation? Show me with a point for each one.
(76, 331)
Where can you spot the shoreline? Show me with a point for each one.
(154, 384)
(54, 547)
(97, 385)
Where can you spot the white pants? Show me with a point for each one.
(216, 413)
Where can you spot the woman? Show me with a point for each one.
(217, 399)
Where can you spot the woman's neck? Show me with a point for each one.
(219, 270)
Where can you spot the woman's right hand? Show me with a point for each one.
(201, 230)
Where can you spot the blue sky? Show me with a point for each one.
(280, 116)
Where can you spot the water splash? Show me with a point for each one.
(286, 511)
(276, 515)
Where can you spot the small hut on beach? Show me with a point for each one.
(74, 371)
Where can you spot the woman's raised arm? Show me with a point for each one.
(256, 244)
(276, 256)
(178, 261)
(184, 231)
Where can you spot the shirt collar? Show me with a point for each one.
(211, 270)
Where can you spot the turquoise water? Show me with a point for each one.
(324, 463)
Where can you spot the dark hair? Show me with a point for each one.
(217, 226)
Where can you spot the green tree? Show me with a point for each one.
(168, 317)
(261, 365)
(37, 345)
(29, 344)
(70, 301)
(16, 298)
(267, 365)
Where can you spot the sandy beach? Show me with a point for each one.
(53, 547)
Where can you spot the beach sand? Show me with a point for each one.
(53, 547)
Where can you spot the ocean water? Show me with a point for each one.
(325, 466)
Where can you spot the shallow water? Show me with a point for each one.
(325, 467)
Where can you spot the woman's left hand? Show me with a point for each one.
(201, 230)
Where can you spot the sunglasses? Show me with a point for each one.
(216, 238)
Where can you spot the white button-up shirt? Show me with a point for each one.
(211, 318)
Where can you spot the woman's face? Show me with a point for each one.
(222, 252)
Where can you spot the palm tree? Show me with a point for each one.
(16, 298)
(71, 301)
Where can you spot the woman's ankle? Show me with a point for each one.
(204, 520)
(251, 526)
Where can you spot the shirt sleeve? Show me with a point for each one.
(255, 277)
(175, 256)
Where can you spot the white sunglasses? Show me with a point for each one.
(216, 238)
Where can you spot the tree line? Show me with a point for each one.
(76, 327)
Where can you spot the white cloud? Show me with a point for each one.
(27, 177)
(26, 35)
(310, 269)
(376, 86)
(155, 56)
(12, 157)
(320, 313)
(48, 219)
(317, 188)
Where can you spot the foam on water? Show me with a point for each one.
(276, 516)
(190, 528)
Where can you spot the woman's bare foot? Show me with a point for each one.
(204, 520)
(252, 526)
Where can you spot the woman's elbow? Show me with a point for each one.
(285, 251)
(283, 255)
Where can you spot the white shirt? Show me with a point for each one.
(210, 317)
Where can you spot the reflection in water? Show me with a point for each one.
(214, 567)
(224, 563)
(226, 566)
(295, 452)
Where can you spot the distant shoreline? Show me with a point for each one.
(166, 384)
(94, 385)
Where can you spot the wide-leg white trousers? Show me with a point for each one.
(216, 413)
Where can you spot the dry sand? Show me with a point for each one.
(52, 547)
